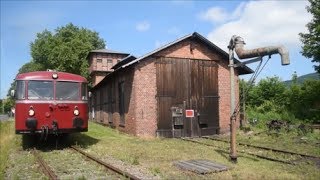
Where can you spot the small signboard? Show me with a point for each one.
(189, 113)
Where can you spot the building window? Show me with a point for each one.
(104, 63)
(99, 60)
(121, 103)
(110, 63)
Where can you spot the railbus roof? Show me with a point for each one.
(47, 75)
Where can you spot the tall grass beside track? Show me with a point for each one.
(157, 155)
(7, 142)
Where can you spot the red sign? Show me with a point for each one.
(189, 113)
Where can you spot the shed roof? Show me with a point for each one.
(124, 61)
(107, 51)
(195, 35)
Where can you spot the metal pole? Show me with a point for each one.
(233, 153)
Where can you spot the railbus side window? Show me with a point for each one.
(84, 91)
(20, 90)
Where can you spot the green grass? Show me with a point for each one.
(158, 155)
(7, 143)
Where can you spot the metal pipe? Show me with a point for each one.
(236, 43)
(233, 152)
(260, 52)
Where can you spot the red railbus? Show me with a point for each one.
(50, 102)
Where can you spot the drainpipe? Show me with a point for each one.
(236, 43)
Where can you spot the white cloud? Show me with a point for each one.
(143, 26)
(262, 23)
(218, 14)
(214, 14)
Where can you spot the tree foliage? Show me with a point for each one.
(297, 101)
(311, 40)
(66, 49)
(269, 89)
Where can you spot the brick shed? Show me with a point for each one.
(148, 96)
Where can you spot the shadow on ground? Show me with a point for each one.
(56, 142)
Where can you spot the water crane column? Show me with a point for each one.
(236, 44)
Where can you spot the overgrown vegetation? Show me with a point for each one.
(7, 142)
(270, 99)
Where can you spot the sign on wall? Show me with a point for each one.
(189, 113)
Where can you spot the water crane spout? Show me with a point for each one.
(237, 43)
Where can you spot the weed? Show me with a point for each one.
(7, 141)
(155, 170)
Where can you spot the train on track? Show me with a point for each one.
(50, 102)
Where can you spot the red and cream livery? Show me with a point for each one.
(50, 102)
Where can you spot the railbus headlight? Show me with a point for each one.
(55, 75)
(76, 112)
(31, 112)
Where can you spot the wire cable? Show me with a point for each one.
(251, 82)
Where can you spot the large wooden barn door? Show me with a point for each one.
(204, 96)
(186, 84)
(165, 93)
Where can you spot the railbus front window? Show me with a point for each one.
(20, 90)
(67, 90)
(40, 90)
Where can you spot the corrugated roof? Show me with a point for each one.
(109, 51)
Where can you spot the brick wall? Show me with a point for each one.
(225, 96)
(145, 96)
(102, 62)
(190, 50)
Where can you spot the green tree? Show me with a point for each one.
(27, 67)
(269, 89)
(31, 66)
(311, 40)
(310, 103)
(66, 49)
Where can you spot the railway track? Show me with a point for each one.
(44, 166)
(264, 148)
(250, 153)
(107, 165)
(49, 172)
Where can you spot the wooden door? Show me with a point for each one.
(186, 84)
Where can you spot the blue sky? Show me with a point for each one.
(138, 27)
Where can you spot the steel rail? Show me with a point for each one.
(108, 166)
(265, 148)
(44, 166)
(252, 154)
